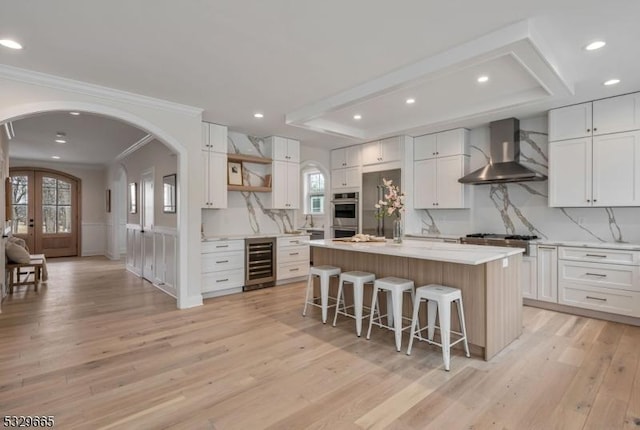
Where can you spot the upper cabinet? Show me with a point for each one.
(611, 115)
(284, 149)
(345, 157)
(570, 122)
(616, 114)
(440, 160)
(382, 151)
(346, 178)
(214, 166)
(452, 142)
(594, 153)
(214, 137)
(286, 185)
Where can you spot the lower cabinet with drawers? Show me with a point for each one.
(292, 258)
(604, 280)
(222, 267)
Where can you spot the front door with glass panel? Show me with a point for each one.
(44, 211)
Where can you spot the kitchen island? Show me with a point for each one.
(488, 276)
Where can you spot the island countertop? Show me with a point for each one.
(435, 251)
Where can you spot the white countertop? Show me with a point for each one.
(605, 245)
(250, 236)
(436, 251)
(435, 236)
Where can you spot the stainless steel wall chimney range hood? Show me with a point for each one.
(504, 150)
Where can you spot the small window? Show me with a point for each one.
(314, 190)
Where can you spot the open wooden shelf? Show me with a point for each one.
(248, 159)
(248, 188)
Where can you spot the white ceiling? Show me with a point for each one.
(233, 57)
(91, 139)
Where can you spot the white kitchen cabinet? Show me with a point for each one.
(382, 151)
(529, 278)
(611, 115)
(214, 168)
(214, 137)
(616, 114)
(593, 278)
(547, 262)
(570, 173)
(345, 157)
(284, 149)
(616, 170)
(293, 256)
(435, 183)
(452, 142)
(286, 185)
(570, 122)
(602, 171)
(222, 267)
(346, 178)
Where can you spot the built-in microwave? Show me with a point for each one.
(345, 210)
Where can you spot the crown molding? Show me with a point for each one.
(60, 83)
(133, 148)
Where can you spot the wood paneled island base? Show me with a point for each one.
(490, 292)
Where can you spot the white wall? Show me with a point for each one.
(92, 201)
(26, 92)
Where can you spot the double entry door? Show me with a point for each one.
(44, 211)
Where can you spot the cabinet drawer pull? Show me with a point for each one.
(596, 298)
(294, 253)
(596, 255)
(295, 241)
(222, 280)
(222, 246)
(596, 274)
(546, 247)
(222, 261)
(294, 270)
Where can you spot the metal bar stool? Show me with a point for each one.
(324, 273)
(439, 299)
(395, 288)
(358, 280)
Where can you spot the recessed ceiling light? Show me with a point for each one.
(357, 116)
(12, 44)
(74, 113)
(55, 157)
(612, 82)
(61, 141)
(410, 101)
(482, 79)
(595, 45)
(258, 115)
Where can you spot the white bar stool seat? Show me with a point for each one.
(358, 280)
(439, 299)
(324, 273)
(395, 288)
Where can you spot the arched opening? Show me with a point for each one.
(117, 188)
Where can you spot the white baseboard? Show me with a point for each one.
(190, 302)
(168, 289)
(212, 294)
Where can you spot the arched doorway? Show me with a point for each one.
(44, 210)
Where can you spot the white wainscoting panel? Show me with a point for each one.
(161, 251)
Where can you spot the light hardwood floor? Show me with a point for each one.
(99, 348)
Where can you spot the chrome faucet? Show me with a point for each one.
(306, 219)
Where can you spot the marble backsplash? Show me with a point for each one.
(248, 212)
(521, 208)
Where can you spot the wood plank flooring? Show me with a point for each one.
(99, 348)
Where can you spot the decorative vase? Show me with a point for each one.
(397, 230)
